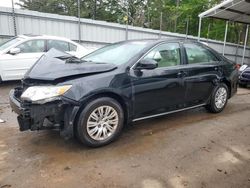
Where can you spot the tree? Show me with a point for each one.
(145, 13)
(64, 7)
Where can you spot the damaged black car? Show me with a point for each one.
(92, 98)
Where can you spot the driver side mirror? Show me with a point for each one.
(148, 64)
(14, 51)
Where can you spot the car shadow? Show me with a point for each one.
(147, 127)
(132, 134)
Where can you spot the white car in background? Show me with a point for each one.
(18, 54)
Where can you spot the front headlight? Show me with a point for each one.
(43, 94)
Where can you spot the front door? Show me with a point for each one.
(159, 90)
(15, 66)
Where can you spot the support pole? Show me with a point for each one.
(208, 31)
(225, 39)
(245, 44)
(127, 21)
(236, 53)
(94, 10)
(199, 30)
(79, 21)
(160, 25)
(187, 25)
(14, 17)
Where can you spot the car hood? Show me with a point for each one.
(56, 64)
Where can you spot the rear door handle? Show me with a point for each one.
(181, 74)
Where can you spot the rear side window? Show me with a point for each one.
(57, 44)
(198, 54)
(32, 46)
(72, 47)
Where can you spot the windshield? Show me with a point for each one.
(8, 43)
(117, 54)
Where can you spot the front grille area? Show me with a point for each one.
(18, 92)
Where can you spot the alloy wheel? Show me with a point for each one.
(220, 97)
(102, 123)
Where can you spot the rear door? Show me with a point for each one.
(62, 46)
(203, 71)
(58, 44)
(162, 89)
(15, 66)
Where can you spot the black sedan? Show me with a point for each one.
(94, 97)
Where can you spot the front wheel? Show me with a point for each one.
(100, 122)
(218, 99)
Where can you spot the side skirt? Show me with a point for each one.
(165, 113)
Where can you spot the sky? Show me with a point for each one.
(7, 3)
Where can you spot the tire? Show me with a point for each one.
(218, 99)
(95, 130)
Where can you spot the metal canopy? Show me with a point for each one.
(229, 10)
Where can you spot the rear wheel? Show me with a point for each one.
(100, 122)
(218, 99)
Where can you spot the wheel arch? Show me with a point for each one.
(115, 96)
(228, 84)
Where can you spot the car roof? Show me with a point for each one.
(29, 36)
(152, 40)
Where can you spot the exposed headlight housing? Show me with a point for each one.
(44, 94)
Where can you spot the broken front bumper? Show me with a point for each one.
(58, 114)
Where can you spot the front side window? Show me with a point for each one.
(198, 54)
(72, 47)
(117, 54)
(59, 45)
(165, 54)
(9, 43)
(32, 46)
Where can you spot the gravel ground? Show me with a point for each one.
(186, 149)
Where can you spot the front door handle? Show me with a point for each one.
(181, 74)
